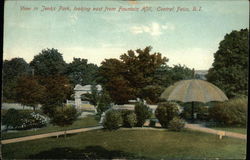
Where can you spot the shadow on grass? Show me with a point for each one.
(90, 152)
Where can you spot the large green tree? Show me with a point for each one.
(230, 67)
(125, 78)
(12, 69)
(81, 72)
(48, 62)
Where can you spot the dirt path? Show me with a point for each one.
(197, 127)
(201, 128)
(39, 136)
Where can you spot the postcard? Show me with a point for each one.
(125, 79)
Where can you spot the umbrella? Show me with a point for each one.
(193, 91)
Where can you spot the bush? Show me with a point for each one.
(112, 120)
(12, 118)
(165, 112)
(124, 114)
(24, 120)
(142, 112)
(232, 112)
(131, 119)
(64, 116)
(176, 124)
(202, 112)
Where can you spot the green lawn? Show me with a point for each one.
(80, 123)
(232, 129)
(145, 144)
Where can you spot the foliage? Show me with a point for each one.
(12, 69)
(48, 62)
(112, 120)
(57, 90)
(232, 112)
(176, 124)
(229, 70)
(11, 118)
(165, 112)
(29, 92)
(131, 119)
(24, 120)
(100, 99)
(81, 72)
(104, 103)
(142, 112)
(128, 117)
(151, 93)
(165, 75)
(125, 78)
(200, 109)
(64, 116)
(33, 120)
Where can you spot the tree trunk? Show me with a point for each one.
(65, 133)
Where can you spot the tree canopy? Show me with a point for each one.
(29, 92)
(81, 72)
(12, 69)
(48, 62)
(230, 68)
(125, 78)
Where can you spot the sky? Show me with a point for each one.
(185, 37)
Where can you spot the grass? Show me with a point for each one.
(146, 144)
(88, 121)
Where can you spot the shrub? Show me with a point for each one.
(131, 119)
(176, 124)
(165, 112)
(124, 114)
(232, 112)
(24, 119)
(112, 120)
(33, 120)
(64, 116)
(142, 112)
(202, 112)
(12, 118)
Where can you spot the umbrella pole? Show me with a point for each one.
(192, 111)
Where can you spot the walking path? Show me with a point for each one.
(196, 127)
(39, 136)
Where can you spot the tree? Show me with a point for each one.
(12, 69)
(64, 116)
(100, 99)
(57, 90)
(229, 69)
(29, 92)
(167, 76)
(125, 78)
(49, 62)
(81, 72)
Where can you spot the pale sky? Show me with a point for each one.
(186, 38)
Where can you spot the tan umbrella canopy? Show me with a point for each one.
(193, 91)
